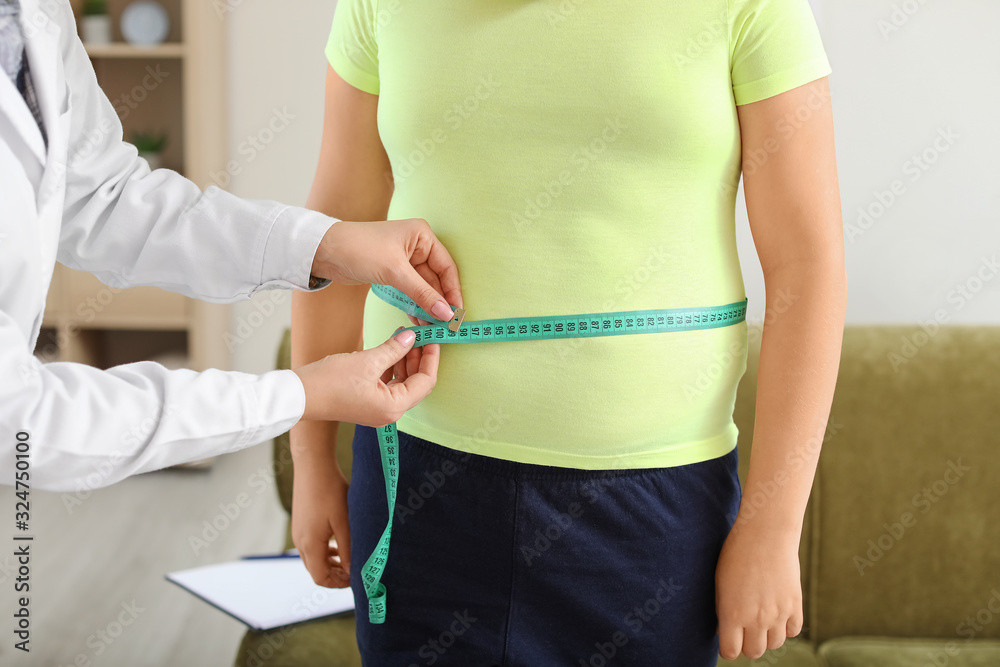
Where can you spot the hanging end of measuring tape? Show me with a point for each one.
(456, 320)
(376, 606)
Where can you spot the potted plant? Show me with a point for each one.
(150, 146)
(96, 24)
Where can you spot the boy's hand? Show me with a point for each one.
(319, 515)
(758, 593)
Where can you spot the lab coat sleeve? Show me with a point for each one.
(130, 226)
(87, 428)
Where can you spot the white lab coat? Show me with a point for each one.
(89, 202)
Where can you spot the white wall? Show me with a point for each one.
(892, 93)
(277, 67)
(899, 77)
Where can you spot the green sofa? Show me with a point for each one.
(900, 550)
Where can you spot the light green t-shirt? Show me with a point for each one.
(576, 156)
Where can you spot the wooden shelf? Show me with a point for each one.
(123, 50)
(178, 88)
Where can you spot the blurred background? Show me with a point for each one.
(232, 95)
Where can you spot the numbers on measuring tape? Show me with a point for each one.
(513, 329)
(601, 324)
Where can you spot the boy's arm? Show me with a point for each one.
(353, 182)
(793, 203)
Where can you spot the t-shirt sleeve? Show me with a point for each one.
(774, 46)
(352, 50)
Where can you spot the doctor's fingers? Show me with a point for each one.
(426, 250)
(431, 279)
(398, 370)
(440, 262)
(421, 284)
(408, 365)
(418, 384)
(381, 360)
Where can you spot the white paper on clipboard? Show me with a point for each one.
(264, 593)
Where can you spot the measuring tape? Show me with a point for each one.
(514, 329)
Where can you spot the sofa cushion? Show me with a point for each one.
(906, 521)
(893, 652)
(794, 653)
(328, 642)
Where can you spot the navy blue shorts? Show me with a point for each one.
(497, 563)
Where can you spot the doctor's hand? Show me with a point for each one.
(372, 387)
(402, 253)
